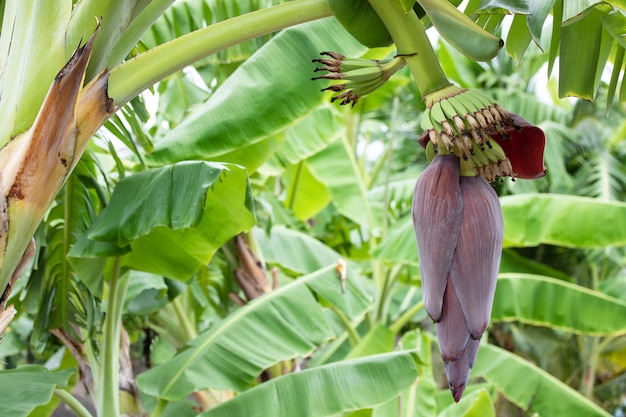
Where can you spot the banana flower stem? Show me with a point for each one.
(413, 44)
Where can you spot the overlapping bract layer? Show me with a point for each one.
(459, 229)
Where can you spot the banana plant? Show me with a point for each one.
(125, 231)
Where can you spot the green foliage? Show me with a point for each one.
(344, 386)
(28, 387)
(144, 228)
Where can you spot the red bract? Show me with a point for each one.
(524, 148)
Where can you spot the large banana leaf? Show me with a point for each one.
(27, 387)
(570, 221)
(264, 96)
(327, 390)
(550, 302)
(280, 325)
(171, 220)
(529, 387)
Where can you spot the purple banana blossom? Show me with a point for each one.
(459, 228)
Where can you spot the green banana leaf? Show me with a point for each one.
(475, 404)
(277, 326)
(584, 40)
(400, 245)
(173, 219)
(327, 390)
(261, 99)
(299, 253)
(306, 196)
(571, 221)
(337, 168)
(380, 339)
(27, 387)
(529, 387)
(512, 261)
(543, 301)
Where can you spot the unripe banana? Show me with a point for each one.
(426, 123)
(436, 113)
(448, 109)
(461, 31)
(362, 74)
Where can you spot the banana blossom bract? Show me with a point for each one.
(459, 228)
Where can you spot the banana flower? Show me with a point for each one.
(459, 230)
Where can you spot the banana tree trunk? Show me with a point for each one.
(35, 164)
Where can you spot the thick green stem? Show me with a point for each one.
(183, 319)
(412, 42)
(109, 401)
(72, 403)
(130, 78)
(160, 407)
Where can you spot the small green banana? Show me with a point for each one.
(426, 123)
(362, 74)
(448, 109)
(436, 113)
(461, 31)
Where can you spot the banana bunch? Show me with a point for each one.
(465, 123)
(360, 76)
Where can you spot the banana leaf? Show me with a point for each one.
(337, 168)
(543, 301)
(25, 388)
(280, 325)
(327, 390)
(571, 221)
(171, 220)
(299, 253)
(530, 387)
(266, 95)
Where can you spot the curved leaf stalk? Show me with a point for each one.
(412, 42)
(385, 296)
(387, 158)
(294, 186)
(72, 403)
(159, 408)
(109, 399)
(132, 77)
(353, 335)
(406, 317)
